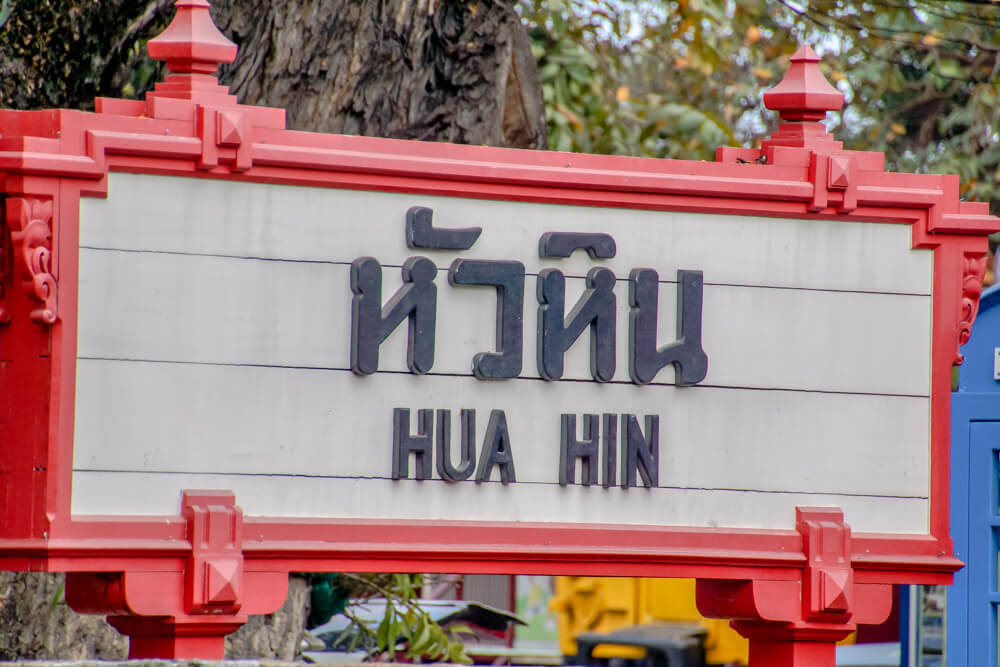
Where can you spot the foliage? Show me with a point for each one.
(327, 596)
(922, 80)
(679, 79)
(405, 625)
(63, 53)
(674, 80)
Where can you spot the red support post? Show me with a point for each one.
(169, 638)
(798, 623)
(185, 614)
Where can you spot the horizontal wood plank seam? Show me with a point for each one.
(444, 269)
(335, 369)
(494, 482)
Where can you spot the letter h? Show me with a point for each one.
(371, 323)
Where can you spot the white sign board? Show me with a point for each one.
(215, 351)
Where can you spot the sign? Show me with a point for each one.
(309, 350)
(229, 351)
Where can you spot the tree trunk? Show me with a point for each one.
(278, 635)
(458, 71)
(437, 70)
(36, 623)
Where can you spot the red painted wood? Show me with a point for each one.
(804, 94)
(191, 127)
(790, 647)
(192, 43)
(172, 639)
(798, 623)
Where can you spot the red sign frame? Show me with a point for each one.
(217, 566)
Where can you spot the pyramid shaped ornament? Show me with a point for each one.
(222, 581)
(193, 48)
(229, 129)
(192, 44)
(839, 175)
(804, 94)
(834, 590)
(802, 99)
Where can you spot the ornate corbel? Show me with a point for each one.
(6, 272)
(973, 269)
(214, 570)
(30, 252)
(828, 580)
(792, 623)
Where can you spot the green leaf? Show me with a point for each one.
(689, 121)
(950, 68)
(383, 634)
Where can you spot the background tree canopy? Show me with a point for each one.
(920, 77)
(633, 77)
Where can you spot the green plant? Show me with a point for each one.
(405, 628)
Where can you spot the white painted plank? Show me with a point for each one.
(159, 494)
(212, 419)
(159, 306)
(148, 212)
(729, 457)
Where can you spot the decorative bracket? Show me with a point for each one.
(6, 268)
(973, 269)
(215, 567)
(797, 623)
(223, 133)
(185, 610)
(833, 172)
(29, 222)
(828, 580)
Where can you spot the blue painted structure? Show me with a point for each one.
(975, 495)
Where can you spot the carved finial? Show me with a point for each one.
(192, 44)
(804, 94)
(802, 99)
(193, 48)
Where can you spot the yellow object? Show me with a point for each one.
(604, 604)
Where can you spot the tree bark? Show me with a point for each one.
(458, 71)
(437, 70)
(278, 635)
(36, 623)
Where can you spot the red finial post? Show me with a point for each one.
(802, 99)
(193, 49)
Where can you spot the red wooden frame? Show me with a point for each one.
(191, 127)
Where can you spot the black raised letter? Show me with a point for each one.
(609, 446)
(562, 244)
(641, 453)
(496, 451)
(371, 323)
(686, 354)
(508, 278)
(595, 309)
(571, 449)
(445, 469)
(421, 233)
(403, 443)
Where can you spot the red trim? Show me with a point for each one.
(63, 155)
